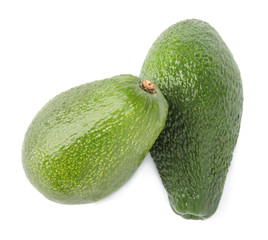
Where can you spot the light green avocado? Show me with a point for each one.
(197, 74)
(88, 141)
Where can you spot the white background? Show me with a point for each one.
(49, 46)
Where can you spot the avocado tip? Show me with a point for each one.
(147, 86)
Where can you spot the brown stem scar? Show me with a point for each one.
(147, 86)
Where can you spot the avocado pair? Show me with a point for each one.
(185, 108)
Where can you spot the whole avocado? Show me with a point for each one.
(197, 74)
(87, 142)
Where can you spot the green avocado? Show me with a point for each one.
(197, 74)
(88, 141)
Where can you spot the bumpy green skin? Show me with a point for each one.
(87, 142)
(198, 76)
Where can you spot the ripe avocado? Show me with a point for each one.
(197, 74)
(87, 142)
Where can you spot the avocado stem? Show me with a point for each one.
(147, 86)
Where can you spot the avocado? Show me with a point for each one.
(88, 141)
(197, 74)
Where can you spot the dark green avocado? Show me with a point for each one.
(86, 142)
(197, 74)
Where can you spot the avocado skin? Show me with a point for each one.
(197, 74)
(87, 142)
